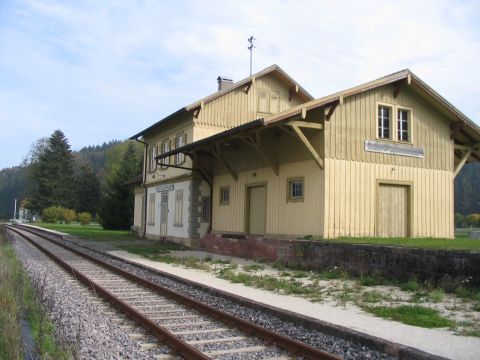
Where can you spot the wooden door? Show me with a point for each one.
(164, 214)
(393, 210)
(257, 210)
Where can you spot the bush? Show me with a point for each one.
(85, 218)
(52, 214)
(474, 220)
(69, 215)
(460, 220)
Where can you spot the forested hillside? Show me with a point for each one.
(467, 190)
(88, 172)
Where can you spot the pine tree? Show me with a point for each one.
(87, 190)
(116, 209)
(52, 174)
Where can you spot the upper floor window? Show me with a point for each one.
(165, 147)
(403, 124)
(384, 121)
(268, 101)
(153, 155)
(180, 140)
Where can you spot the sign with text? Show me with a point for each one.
(393, 149)
(165, 187)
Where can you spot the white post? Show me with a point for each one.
(15, 211)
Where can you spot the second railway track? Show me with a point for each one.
(189, 327)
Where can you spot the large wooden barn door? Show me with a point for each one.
(257, 208)
(392, 210)
(164, 214)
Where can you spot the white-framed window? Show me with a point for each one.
(178, 221)
(403, 124)
(295, 189)
(165, 147)
(151, 209)
(180, 140)
(153, 161)
(384, 122)
(225, 195)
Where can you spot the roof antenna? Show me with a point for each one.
(250, 47)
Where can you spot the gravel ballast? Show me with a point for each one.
(331, 344)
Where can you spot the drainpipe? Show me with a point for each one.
(145, 156)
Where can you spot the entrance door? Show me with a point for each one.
(164, 214)
(257, 210)
(392, 210)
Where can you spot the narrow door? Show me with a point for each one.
(392, 211)
(257, 206)
(164, 214)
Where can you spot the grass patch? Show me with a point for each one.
(412, 315)
(90, 232)
(366, 280)
(271, 283)
(253, 267)
(18, 299)
(461, 242)
(372, 296)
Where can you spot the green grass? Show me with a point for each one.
(17, 298)
(90, 232)
(412, 315)
(154, 248)
(461, 242)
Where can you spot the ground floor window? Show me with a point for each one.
(295, 189)
(225, 195)
(151, 208)
(178, 208)
(205, 209)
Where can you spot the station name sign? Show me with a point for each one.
(393, 149)
(165, 187)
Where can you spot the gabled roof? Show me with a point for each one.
(273, 69)
(467, 132)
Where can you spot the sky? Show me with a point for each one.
(104, 70)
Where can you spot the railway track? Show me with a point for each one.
(190, 328)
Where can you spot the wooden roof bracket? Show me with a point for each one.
(333, 106)
(215, 151)
(196, 162)
(308, 145)
(255, 143)
(462, 162)
(249, 84)
(196, 112)
(397, 86)
(306, 124)
(292, 91)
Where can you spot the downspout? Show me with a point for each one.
(145, 192)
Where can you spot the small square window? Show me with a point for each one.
(296, 189)
(384, 121)
(224, 196)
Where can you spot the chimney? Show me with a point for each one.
(224, 83)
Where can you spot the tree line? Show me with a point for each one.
(91, 180)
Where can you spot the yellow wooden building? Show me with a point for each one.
(173, 201)
(378, 159)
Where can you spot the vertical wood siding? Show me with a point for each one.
(286, 218)
(351, 193)
(237, 107)
(356, 121)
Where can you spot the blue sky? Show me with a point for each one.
(103, 70)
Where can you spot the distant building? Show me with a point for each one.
(378, 159)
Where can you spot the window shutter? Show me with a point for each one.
(263, 101)
(274, 102)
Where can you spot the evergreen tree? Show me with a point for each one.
(87, 190)
(52, 174)
(116, 208)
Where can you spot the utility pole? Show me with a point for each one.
(250, 47)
